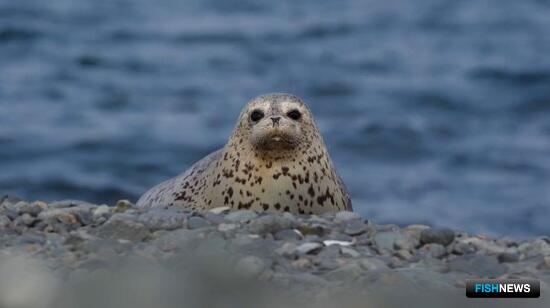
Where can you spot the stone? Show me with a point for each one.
(508, 257)
(241, 216)
(479, 265)
(346, 216)
(349, 252)
(271, 224)
(25, 220)
(220, 210)
(436, 251)
(60, 219)
(288, 235)
(123, 205)
(287, 250)
(223, 227)
(355, 227)
(545, 264)
(336, 242)
(308, 248)
(32, 209)
(4, 222)
(403, 254)
(313, 229)
(101, 211)
(250, 266)
(196, 222)
(386, 241)
(123, 226)
(162, 220)
(442, 236)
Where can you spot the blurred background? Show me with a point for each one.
(434, 112)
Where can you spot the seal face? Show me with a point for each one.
(275, 160)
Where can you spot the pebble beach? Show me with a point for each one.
(122, 256)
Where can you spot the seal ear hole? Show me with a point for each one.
(294, 114)
(256, 115)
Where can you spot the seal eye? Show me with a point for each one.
(256, 115)
(294, 114)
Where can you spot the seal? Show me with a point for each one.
(275, 160)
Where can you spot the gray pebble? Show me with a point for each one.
(437, 251)
(250, 266)
(287, 235)
(271, 224)
(162, 220)
(123, 226)
(346, 216)
(479, 265)
(508, 257)
(443, 236)
(4, 222)
(309, 248)
(355, 227)
(33, 209)
(241, 216)
(196, 222)
(349, 252)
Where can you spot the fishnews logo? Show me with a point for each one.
(502, 288)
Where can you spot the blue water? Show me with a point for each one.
(434, 111)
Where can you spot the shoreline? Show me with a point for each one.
(72, 239)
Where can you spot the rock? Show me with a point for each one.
(196, 222)
(545, 264)
(102, 211)
(479, 265)
(250, 267)
(60, 219)
(213, 218)
(123, 226)
(372, 264)
(4, 222)
(313, 229)
(349, 252)
(346, 273)
(308, 248)
(288, 235)
(403, 254)
(69, 203)
(271, 224)
(462, 248)
(388, 241)
(346, 216)
(442, 236)
(24, 220)
(508, 257)
(123, 205)
(241, 216)
(223, 227)
(220, 210)
(33, 209)
(355, 227)
(162, 220)
(335, 242)
(288, 250)
(437, 251)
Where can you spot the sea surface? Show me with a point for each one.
(434, 112)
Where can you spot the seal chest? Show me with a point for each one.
(275, 160)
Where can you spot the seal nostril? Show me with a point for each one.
(275, 120)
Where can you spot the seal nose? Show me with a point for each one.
(275, 120)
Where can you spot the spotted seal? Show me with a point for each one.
(275, 160)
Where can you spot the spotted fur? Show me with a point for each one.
(293, 174)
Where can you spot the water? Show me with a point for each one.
(434, 111)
